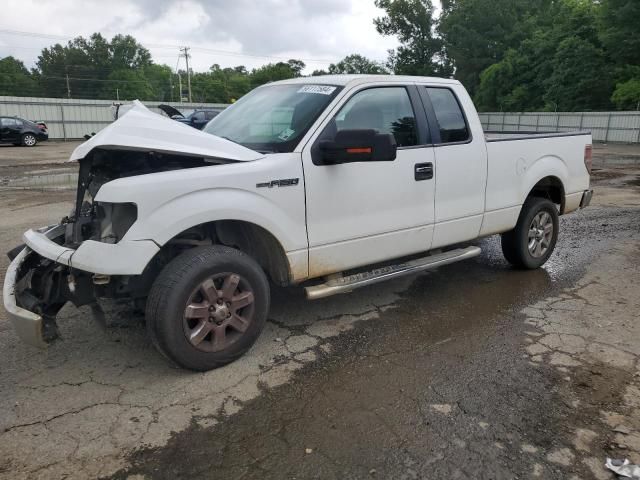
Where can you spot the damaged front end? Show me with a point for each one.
(44, 276)
(88, 256)
(36, 288)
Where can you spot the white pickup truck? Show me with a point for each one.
(331, 183)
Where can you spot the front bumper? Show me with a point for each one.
(586, 198)
(122, 258)
(28, 325)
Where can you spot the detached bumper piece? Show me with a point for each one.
(586, 198)
(28, 325)
(36, 288)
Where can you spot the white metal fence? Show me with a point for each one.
(621, 127)
(69, 118)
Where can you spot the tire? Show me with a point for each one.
(29, 140)
(538, 218)
(201, 302)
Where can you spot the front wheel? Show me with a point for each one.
(207, 307)
(29, 140)
(532, 242)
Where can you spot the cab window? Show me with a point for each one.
(451, 122)
(384, 109)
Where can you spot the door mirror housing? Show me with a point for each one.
(351, 146)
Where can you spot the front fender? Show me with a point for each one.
(286, 224)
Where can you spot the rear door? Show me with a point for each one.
(362, 213)
(460, 164)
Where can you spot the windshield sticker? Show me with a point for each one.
(320, 89)
(285, 134)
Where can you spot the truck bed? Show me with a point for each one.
(517, 160)
(503, 136)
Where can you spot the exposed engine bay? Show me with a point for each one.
(109, 222)
(44, 286)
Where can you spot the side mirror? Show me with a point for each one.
(351, 146)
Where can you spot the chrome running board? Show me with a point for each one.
(357, 280)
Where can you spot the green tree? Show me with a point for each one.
(356, 63)
(89, 64)
(220, 85)
(627, 95)
(272, 72)
(620, 30)
(478, 33)
(127, 84)
(561, 65)
(16, 80)
(579, 80)
(420, 51)
(160, 80)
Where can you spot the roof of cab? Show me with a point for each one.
(344, 80)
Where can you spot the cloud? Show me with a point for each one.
(319, 31)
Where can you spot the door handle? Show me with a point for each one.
(423, 171)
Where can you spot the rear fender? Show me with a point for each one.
(549, 166)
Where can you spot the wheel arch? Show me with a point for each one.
(546, 178)
(551, 188)
(250, 238)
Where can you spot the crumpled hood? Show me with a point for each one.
(141, 129)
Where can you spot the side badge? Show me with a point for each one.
(285, 182)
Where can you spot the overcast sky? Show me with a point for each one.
(316, 31)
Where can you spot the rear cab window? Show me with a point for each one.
(450, 119)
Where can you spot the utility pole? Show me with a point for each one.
(185, 50)
(180, 87)
(68, 87)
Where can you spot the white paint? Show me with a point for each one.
(337, 216)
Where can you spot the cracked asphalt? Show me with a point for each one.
(472, 371)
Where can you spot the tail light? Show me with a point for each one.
(588, 157)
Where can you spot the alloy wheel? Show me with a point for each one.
(540, 234)
(218, 312)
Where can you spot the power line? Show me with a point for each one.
(212, 51)
(80, 79)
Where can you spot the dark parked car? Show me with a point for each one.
(197, 118)
(22, 132)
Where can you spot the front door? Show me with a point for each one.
(362, 213)
(460, 165)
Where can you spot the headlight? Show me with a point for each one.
(115, 220)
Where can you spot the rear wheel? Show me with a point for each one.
(532, 242)
(29, 140)
(207, 307)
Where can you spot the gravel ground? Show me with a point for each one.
(472, 371)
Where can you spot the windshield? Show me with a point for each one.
(273, 118)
